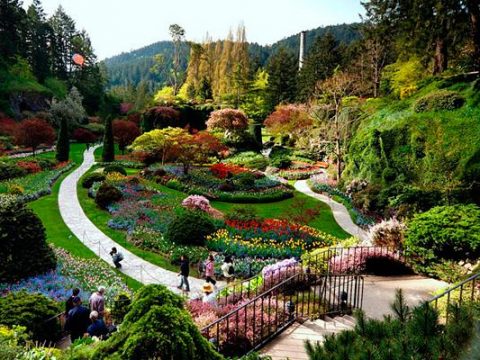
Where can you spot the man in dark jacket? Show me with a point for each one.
(69, 303)
(78, 320)
(97, 327)
(184, 272)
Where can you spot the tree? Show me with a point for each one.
(160, 117)
(229, 120)
(13, 26)
(67, 114)
(473, 8)
(177, 33)
(282, 71)
(158, 143)
(32, 133)
(336, 112)
(85, 136)
(8, 126)
(124, 132)
(108, 154)
(291, 120)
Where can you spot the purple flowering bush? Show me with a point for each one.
(355, 259)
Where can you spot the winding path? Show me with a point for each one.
(132, 265)
(340, 212)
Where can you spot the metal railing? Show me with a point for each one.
(465, 292)
(301, 296)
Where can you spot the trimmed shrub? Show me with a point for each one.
(190, 228)
(439, 100)
(157, 327)
(10, 171)
(388, 233)
(114, 168)
(31, 311)
(91, 178)
(444, 232)
(281, 162)
(248, 159)
(23, 248)
(106, 195)
(244, 180)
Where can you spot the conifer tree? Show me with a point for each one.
(282, 78)
(108, 154)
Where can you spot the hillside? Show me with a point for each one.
(420, 151)
(134, 66)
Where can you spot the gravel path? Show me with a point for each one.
(340, 212)
(132, 265)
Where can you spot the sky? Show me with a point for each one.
(117, 26)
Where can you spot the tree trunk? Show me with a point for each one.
(441, 58)
(337, 144)
(474, 10)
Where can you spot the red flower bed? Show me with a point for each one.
(30, 166)
(222, 170)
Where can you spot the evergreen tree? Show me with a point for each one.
(320, 63)
(13, 25)
(63, 28)
(108, 154)
(282, 72)
(63, 143)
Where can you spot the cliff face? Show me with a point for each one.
(27, 101)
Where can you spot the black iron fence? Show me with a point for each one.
(300, 296)
(466, 292)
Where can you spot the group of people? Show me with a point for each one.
(82, 320)
(208, 268)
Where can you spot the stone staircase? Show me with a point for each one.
(290, 344)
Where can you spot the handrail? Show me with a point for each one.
(450, 289)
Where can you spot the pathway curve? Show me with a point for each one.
(340, 212)
(132, 265)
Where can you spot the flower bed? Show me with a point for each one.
(354, 260)
(316, 185)
(71, 272)
(269, 238)
(35, 185)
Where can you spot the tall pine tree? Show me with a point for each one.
(282, 72)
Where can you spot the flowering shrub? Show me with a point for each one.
(355, 259)
(222, 170)
(388, 233)
(196, 202)
(269, 238)
(30, 167)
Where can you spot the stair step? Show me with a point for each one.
(343, 320)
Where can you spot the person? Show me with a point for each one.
(69, 303)
(77, 320)
(228, 269)
(209, 296)
(97, 301)
(184, 272)
(210, 270)
(97, 327)
(117, 256)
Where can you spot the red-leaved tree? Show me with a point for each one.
(7, 126)
(124, 132)
(229, 120)
(292, 120)
(84, 136)
(160, 117)
(32, 133)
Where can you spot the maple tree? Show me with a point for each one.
(31, 133)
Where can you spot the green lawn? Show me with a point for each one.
(57, 232)
(100, 218)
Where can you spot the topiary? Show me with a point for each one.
(444, 232)
(439, 100)
(23, 248)
(244, 180)
(157, 327)
(114, 168)
(107, 194)
(91, 178)
(33, 311)
(190, 228)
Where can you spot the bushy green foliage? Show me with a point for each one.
(157, 327)
(114, 168)
(107, 194)
(23, 248)
(108, 154)
(31, 311)
(248, 159)
(121, 305)
(190, 228)
(89, 179)
(413, 334)
(402, 77)
(444, 232)
(439, 100)
(244, 180)
(9, 171)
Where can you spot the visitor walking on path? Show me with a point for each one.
(97, 327)
(184, 272)
(117, 256)
(69, 303)
(228, 269)
(210, 270)
(209, 296)
(97, 301)
(77, 320)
